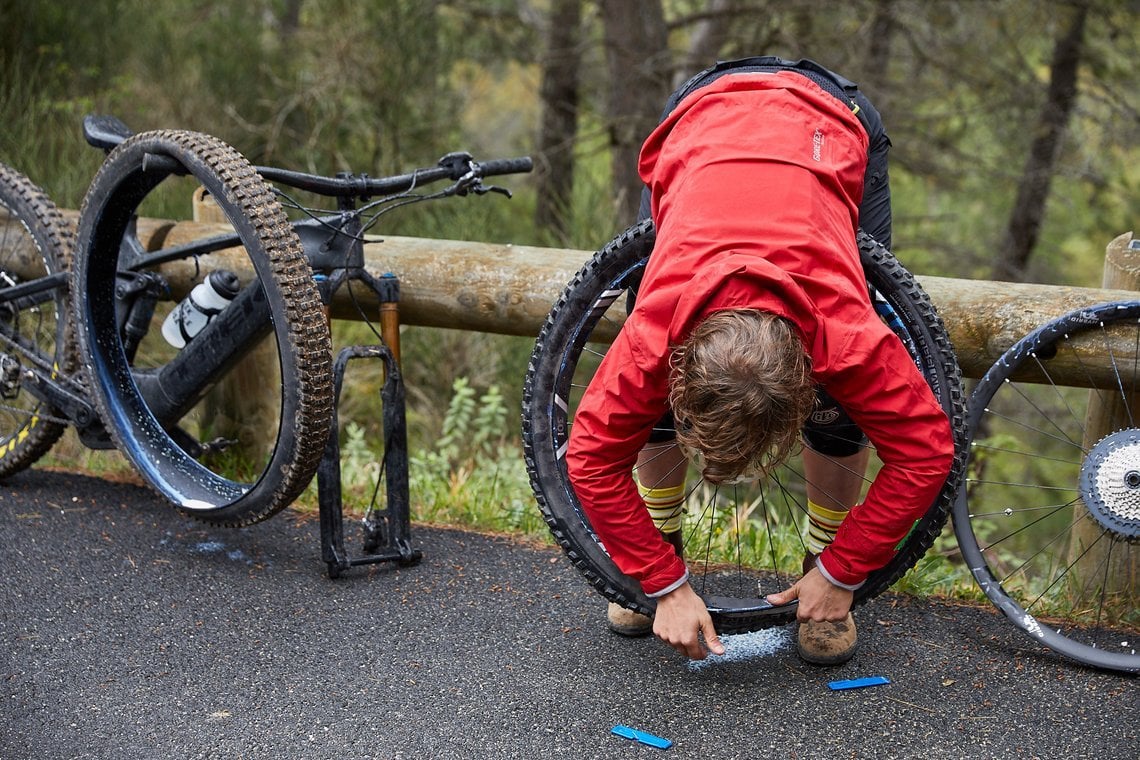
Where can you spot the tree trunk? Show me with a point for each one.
(1029, 207)
(290, 20)
(554, 171)
(876, 85)
(637, 57)
(1090, 554)
(709, 35)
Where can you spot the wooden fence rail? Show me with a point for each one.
(508, 289)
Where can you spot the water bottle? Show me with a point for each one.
(205, 302)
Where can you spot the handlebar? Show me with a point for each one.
(107, 131)
(457, 167)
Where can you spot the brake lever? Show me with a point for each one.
(472, 184)
(481, 189)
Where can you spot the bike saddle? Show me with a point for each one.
(105, 131)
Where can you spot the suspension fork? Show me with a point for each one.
(386, 529)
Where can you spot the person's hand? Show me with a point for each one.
(820, 599)
(680, 620)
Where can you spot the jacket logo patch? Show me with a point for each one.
(817, 145)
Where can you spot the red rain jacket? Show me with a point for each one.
(756, 181)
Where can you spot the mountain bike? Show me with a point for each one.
(1048, 520)
(739, 543)
(81, 338)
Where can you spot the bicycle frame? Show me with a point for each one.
(64, 393)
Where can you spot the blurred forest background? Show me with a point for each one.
(1014, 122)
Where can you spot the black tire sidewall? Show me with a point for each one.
(891, 278)
(122, 183)
(556, 346)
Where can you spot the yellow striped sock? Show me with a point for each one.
(822, 525)
(665, 505)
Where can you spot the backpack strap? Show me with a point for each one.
(837, 85)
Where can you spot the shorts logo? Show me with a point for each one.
(817, 145)
(825, 416)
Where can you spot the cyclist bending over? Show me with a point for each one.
(753, 321)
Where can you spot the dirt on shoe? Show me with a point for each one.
(828, 643)
(627, 622)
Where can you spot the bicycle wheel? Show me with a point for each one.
(740, 543)
(34, 331)
(1049, 519)
(211, 462)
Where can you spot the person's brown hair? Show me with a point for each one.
(740, 388)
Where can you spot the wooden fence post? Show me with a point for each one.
(244, 405)
(1121, 272)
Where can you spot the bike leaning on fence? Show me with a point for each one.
(81, 326)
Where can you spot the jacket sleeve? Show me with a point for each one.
(882, 390)
(612, 423)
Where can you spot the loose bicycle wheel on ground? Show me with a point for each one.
(739, 542)
(34, 330)
(173, 412)
(1049, 518)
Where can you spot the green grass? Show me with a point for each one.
(471, 475)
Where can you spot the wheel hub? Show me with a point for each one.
(1110, 483)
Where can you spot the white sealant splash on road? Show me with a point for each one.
(747, 646)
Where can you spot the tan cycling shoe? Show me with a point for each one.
(829, 642)
(627, 622)
(826, 643)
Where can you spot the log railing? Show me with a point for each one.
(508, 289)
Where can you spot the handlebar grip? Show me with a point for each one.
(498, 166)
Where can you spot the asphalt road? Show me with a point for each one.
(131, 632)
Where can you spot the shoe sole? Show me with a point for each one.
(631, 632)
(836, 659)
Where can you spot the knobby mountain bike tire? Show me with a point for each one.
(759, 529)
(34, 332)
(1049, 518)
(197, 451)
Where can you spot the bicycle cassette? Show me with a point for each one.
(1110, 483)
